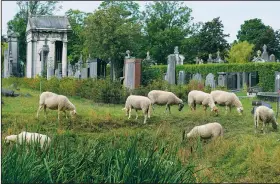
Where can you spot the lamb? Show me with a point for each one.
(207, 131)
(228, 99)
(138, 103)
(55, 102)
(29, 138)
(200, 97)
(266, 115)
(165, 98)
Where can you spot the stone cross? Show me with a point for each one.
(176, 50)
(264, 48)
(218, 54)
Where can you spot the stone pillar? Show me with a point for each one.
(238, 81)
(6, 69)
(171, 69)
(34, 54)
(64, 59)
(250, 79)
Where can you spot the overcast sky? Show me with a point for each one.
(232, 13)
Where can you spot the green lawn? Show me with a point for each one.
(242, 155)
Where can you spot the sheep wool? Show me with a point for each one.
(138, 103)
(165, 98)
(266, 115)
(29, 138)
(200, 97)
(228, 99)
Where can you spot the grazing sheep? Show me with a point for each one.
(228, 99)
(55, 102)
(207, 131)
(138, 103)
(266, 115)
(165, 98)
(29, 138)
(200, 97)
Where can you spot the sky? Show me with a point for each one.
(232, 13)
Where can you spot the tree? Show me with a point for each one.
(110, 31)
(240, 52)
(75, 38)
(166, 26)
(19, 22)
(4, 46)
(209, 39)
(256, 32)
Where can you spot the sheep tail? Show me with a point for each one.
(149, 110)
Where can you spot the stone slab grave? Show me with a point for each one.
(171, 72)
(182, 78)
(84, 73)
(277, 81)
(222, 79)
(197, 77)
(210, 81)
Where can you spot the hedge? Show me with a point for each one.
(265, 71)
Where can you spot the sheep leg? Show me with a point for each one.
(39, 109)
(256, 123)
(129, 113)
(45, 112)
(169, 109)
(166, 108)
(58, 111)
(65, 114)
(136, 115)
(204, 108)
(145, 118)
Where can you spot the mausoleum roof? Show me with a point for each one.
(49, 22)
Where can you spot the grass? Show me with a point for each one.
(101, 145)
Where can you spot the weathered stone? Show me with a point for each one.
(171, 75)
(210, 81)
(182, 78)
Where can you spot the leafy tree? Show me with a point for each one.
(4, 46)
(166, 26)
(209, 39)
(110, 31)
(75, 38)
(256, 32)
(19, 22)
(240, 52)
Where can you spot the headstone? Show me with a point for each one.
(93, 69)
(265, 54)
(277, 81)
(222, 79)
(272, 58)
(210, 81)
(201, 61)
(218, 59)
(70, 70)
(165, 76)
(6, 64)
(197, 77)
(210, 60)
(84, 73)
(132, 72)
(258, 59)
(182, 78)
(197, 60)
(171, 69)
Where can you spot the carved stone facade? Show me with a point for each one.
(46, 38)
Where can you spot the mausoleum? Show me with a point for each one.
(46, 38)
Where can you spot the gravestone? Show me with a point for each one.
(132, 71)
(210, 60)
(277, 81)
(197, 77)
(182, 78)
(218, 59)
(70, 70)
(201, 61)
(84, 73)
(165, 76)
(6, 65)
(197, 60)
(210, 81)
(265, 54)
(222, 79)
(93, 69)
(272, 58)
(188, 77)
(171, 67)
(258, 59)
(179, 58)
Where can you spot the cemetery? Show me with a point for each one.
(82, 65)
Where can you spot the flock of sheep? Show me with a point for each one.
(211, 130)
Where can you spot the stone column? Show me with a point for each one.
(34, 54)
(250, 79)
(64, 59)
(238, 80)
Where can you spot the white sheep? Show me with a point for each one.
(165, 98)
(55, 102)
(228, 99)
(266, 115)
(200, 97)
(207, 131)
(29, 138)
(138, 103)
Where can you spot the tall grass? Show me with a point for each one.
(120, 159)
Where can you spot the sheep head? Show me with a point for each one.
(73, 113)
(10, 138)
(240, 110)
(215, 110)
(275, 125)
(181, 105)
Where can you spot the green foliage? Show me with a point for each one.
(119, 159)
(110, 31)
(166, 25)
(19, 22)
(256, 32)
(209, 39)
(265, 71)
(75, 38)
(240, 52)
